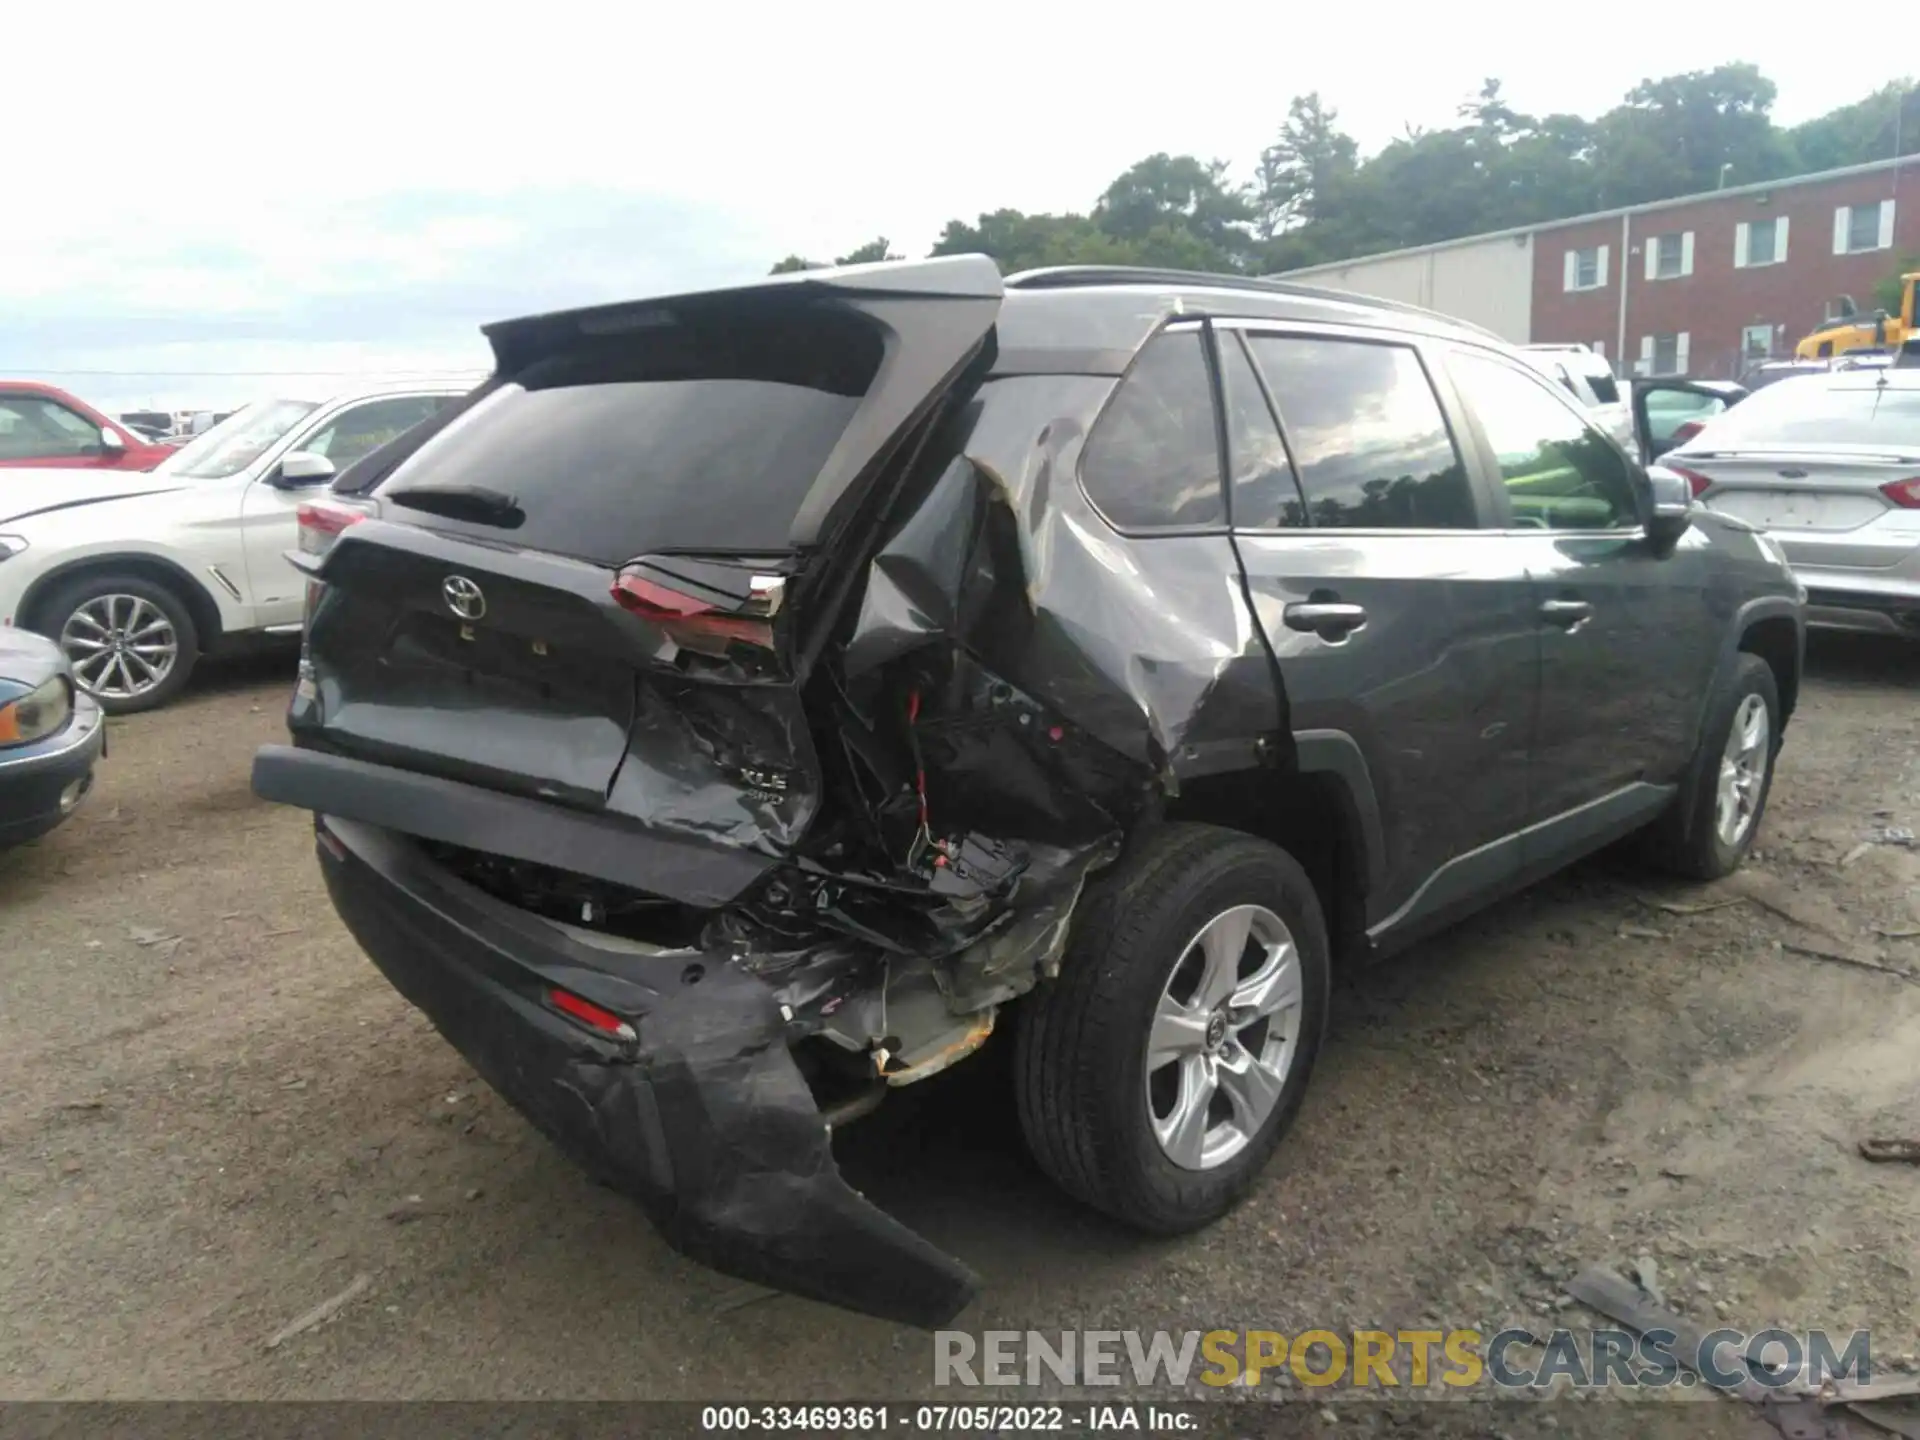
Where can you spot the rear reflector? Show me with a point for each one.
(591, 1015)
(695, 623)
(1904, 493)
(1699, 483)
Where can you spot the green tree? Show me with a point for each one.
(1314, 198)
(1302, 172)
(1891, 291)
(1018, 241)
(1685, 133)
(868, 254)
(1869, 129)
(1180, 211)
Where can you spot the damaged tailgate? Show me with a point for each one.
(600, 588)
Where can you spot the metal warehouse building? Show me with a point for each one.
(1701, 285)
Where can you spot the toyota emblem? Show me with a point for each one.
(463, 597)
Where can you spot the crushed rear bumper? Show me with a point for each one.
(703, 1117)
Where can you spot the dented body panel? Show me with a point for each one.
(794, 824)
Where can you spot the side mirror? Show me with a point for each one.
(1670, 512)
(301, 470)
(110, 441)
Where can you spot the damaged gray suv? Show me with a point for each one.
(745, 702)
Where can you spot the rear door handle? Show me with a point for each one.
(1330, 619)
(1567, 614)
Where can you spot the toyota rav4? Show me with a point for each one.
(745, 702)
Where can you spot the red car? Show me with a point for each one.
(43, 426)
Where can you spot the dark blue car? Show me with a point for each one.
(50, 736)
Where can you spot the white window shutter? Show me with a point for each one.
(1571, 275)
(1886, 224)
(1686, 253)
(1840, 218)
(1742, 238)
(1600, 268)
(1651, 247)
(1646, 355)
(1600, 347)
(1780, 239)
(1680, 353)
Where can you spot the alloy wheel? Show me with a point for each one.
(121, 646)
(1223, 1038)
(1743, 771)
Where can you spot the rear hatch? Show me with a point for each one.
(603, 585)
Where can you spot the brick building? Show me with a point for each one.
(1699, 285)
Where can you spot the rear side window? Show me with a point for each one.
(706, 437)
(1604, 390)
(1153, 461)
(1367, 434)
(365, 428)
(34, 428)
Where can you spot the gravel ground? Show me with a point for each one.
(214, 1114)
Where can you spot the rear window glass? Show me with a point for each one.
(1368, 436)
(703, 437)
(1604, 389)
(1153, 460)
(1810, 410)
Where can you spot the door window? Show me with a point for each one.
(35, 428)
(1264, 491)
(365, 428)
(1560, 473)
(1153, 461)
(1367, 434)
(1668, 410)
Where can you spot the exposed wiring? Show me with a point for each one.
(923, 837)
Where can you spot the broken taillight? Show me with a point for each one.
(1904, 493)
(697, 623)
(321, 522)
(1697, 482)
(590, 1014)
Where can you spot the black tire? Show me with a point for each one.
(1686, 841)
(52, 614)
(1080, 1070)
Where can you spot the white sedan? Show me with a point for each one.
(136, 575)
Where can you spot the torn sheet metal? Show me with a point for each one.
(756, 1192)
(1147, 647)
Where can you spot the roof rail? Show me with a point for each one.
(1065, 277)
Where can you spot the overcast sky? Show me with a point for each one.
(217, 187)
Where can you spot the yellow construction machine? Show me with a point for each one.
(1874, 330)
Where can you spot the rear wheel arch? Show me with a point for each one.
(199, 601)
(1323, 812)
(1776, 640)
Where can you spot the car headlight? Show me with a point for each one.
(37, 714)
(10, 546)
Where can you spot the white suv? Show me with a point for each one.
(137, 575)
(1590, 380)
